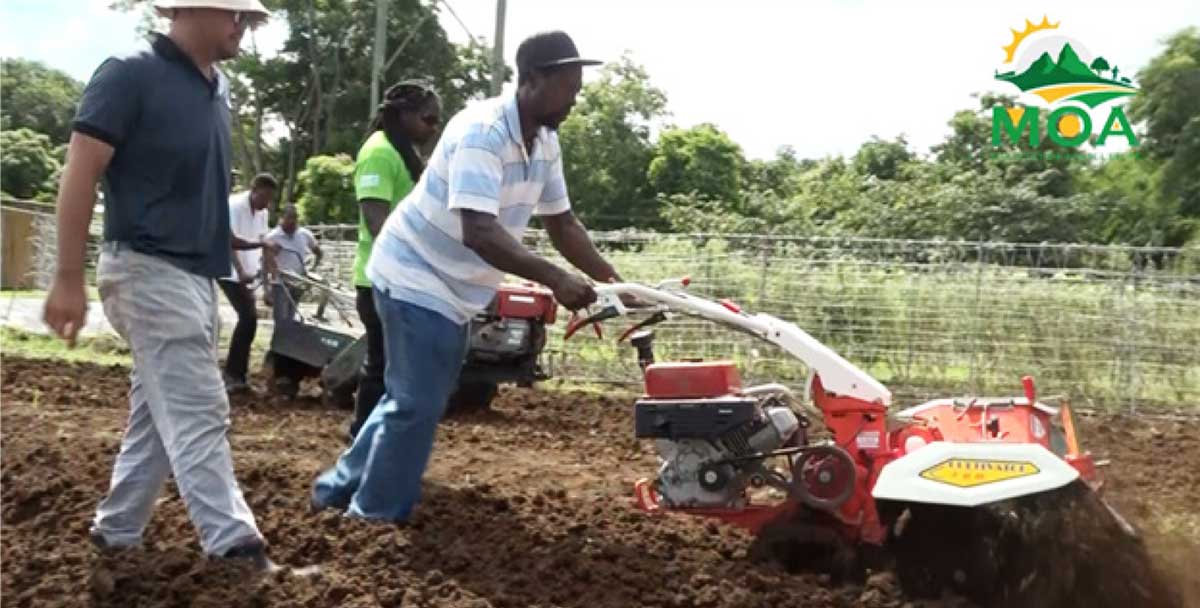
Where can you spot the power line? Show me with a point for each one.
(460, 21)
(379, 52)
(411, 34)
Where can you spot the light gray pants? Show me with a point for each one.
(179, 413)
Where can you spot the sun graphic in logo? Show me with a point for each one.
(1030, 28)
(1042, 62)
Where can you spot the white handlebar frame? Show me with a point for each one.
(837, 374)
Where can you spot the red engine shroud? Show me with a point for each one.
(692, 380)
(526, 302)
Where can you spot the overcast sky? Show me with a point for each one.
(821, 76)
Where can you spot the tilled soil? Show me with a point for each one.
(526, 505)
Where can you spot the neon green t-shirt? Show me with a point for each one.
(379, 173)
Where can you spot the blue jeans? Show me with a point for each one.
(379, 475)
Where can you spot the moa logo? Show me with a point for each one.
(1059, 75)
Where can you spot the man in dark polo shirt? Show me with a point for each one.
(155, 126)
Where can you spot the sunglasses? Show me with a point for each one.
(432, 121)
(247, 19)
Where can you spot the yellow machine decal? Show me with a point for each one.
(969, 472)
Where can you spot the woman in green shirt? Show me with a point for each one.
(385, 171)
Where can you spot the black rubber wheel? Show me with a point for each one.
(471, 397)
(341, 397)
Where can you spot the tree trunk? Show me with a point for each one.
(258, 141)
(293, 128)
(290, 181)
(245, 162)
(330, 104)
(317, 96)
(315, 111)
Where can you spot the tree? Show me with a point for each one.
(1168, 104)
(33, 96)
(779, 175)
(882, 159)
(327, 191)
(765, 212)
(1099, 65)
(319, 84)
(607, 150)
(969, 148)
(1128, 195)
(27, 164)
(702, 160)
(315, 91)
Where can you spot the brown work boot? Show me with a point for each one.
(255, 554)
(101, 544)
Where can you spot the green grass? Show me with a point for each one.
(102, 349)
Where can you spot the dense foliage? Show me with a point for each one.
(300, 112)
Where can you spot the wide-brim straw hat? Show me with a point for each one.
(164, 7)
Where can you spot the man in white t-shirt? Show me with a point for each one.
(442, 254)
(289, 244)
(287, 248)
(248, 225)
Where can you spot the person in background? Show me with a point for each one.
(289, 244)
(248, 223)
(287, 249)
(153, 129)
(385, 171)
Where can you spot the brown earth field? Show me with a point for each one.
(528, 504)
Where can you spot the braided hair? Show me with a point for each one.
(405, 96)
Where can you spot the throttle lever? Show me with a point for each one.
(576, 322)
(654, 319)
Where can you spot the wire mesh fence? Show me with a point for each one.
(1113, 326)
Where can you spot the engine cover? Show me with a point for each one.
(499, 340)
(691, 380)
(699, 442)
(707, 419)
(688, 477)
(525, 302)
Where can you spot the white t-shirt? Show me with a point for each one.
(480, 164)
(299, 243)
(248, 225)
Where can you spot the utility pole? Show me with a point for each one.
(498, 50)
(380, 52)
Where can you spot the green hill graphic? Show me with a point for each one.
(1067, 78)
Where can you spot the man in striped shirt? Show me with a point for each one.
(440, 257)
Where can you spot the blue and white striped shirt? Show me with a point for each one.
(480, 164)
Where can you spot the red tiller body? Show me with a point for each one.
(690, 380)
(526, 302)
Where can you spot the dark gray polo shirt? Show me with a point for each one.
(167, 188)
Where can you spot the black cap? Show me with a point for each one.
(547, 50)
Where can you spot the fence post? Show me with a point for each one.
(980, 262)
(1131, 325)
(764, 246)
